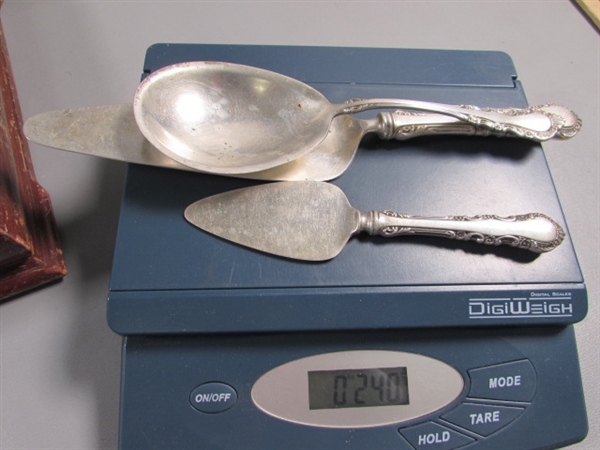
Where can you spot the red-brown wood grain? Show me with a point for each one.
(30, 252)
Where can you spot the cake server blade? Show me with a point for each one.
(108, 131)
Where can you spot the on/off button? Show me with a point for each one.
(213, 397)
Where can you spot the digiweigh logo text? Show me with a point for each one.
(537, 304)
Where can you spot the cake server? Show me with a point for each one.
(111, 132)
(312, 220)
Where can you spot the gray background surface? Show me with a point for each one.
(59, 362)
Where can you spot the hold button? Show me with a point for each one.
(213, 397)
(432, 436)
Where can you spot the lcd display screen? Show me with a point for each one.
(358, 388)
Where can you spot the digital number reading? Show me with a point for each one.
(329, 389)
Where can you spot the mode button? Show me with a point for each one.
(513, 381)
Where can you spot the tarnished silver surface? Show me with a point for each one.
(311, 220)
(534, 231)
(408, 124)
(232, 119)
(111, 132)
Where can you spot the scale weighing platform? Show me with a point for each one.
(412, 343)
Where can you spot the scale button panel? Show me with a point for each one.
(513, 381)
(433, 436)
(213, 397)
(482, 419)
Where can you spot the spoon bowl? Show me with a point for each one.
(228, 118)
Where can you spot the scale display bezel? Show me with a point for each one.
(284, 391)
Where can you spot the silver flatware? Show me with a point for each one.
(229, 118)
(111, 132)
(312, 220)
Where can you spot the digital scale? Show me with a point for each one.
(413, 343)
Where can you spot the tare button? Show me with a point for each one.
(482, 419)
(514, 381)
(213, 397)
(432, 436)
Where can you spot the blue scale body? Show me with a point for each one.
(195, 309)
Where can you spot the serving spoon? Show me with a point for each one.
(229, 118)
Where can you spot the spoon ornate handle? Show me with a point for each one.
(403, 125)
(535, 232)
(534, 123)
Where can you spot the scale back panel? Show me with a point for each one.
(170, 277)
